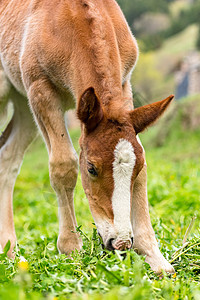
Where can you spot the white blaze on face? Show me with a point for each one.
(123, 165)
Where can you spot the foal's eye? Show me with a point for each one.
(91, 169)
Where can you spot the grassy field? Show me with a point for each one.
(173, 184)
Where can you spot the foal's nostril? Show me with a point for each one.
(131, 242)
(109, 245)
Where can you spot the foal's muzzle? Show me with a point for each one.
(117, 244)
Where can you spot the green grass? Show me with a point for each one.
(173, 184)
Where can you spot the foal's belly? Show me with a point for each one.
(11, 23)
(13, 73)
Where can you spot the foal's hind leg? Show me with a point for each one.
(63, 162)
(18, 135)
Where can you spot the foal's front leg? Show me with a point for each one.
(144, 237)
(63, 162)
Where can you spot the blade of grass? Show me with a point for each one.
(189, 229)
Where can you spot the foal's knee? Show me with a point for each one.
(63, 172)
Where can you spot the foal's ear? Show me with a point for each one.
(89, 109)
(144, 116)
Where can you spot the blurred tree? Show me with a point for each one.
(133, 9)
(185, 18)
(151, 23)
(152, 42)
(146, 78)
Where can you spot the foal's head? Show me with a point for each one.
(110, 160)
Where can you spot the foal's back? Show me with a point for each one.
(54, 37)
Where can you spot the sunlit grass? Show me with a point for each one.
(173, 188)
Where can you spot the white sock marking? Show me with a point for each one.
(124, 162)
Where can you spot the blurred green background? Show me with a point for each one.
(168, 33)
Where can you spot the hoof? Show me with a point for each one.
(159, 264)
(11, 253)
(67, 246)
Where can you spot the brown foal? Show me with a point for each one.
(55, 54)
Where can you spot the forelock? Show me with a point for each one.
(124, 158)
